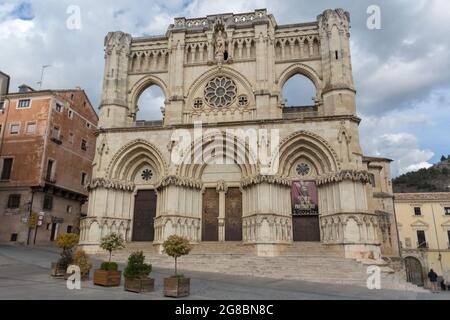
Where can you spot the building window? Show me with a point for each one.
(69, 229)
(14, 201)
(58, 108)
(417, 211)
(70, 114)
(448, 237)
(24, 103)
(83, 178)
(447, 211)
(56, 137)
(83, 145)
(48, 202)
(31, 128)
(69, 209)
(49, 177)
(15, 127)
(421, 239)
(7, 168)
(2, 106)
(88, 125)
(71, 96)
(71, 137)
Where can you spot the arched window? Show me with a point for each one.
(299, 91)
(149, 105)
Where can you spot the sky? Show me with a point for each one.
(401, 70)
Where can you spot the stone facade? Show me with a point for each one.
(425, 215)
(228, 72)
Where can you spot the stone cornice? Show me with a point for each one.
(111, 184)
(271, 179)
(351, 175)
(179, 182)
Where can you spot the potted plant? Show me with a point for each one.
(81, 259)
(66, 242)
(137, 273)
(176, 286)
(108, 274)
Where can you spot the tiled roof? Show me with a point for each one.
(425, 196)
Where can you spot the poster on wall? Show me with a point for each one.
(304, 198)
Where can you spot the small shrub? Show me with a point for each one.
(111, 243)
(67, 242)
(176, 246)
(81, 259)
(137, 268)
(109, 266)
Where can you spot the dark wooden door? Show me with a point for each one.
(233, 215)
(144, 216)
(414, 272)
(210, 215)
(53, 232)
(306, 228)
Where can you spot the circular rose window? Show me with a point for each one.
(220, 92)
(303, 169)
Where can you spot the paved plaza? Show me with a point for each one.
(24, 274)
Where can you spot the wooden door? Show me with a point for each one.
(144, 216)
(210, 215)
(414, 272)
(233, 215)
(306, 228)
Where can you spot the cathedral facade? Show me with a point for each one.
(229, 161)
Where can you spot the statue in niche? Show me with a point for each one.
(220, 51)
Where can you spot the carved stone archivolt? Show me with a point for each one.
(352, 175)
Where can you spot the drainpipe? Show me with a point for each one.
(29, 217)
(437, 240)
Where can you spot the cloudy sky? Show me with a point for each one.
(401, 71)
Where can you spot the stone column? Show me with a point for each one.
(222, 190)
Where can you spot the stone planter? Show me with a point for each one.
(57, 271)
(140, 285)
(107, 278)
(177, 287)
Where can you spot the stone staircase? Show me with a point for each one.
(312, 262)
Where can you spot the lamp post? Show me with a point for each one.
(42, 74)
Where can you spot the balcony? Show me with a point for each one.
(50, 178)
(422, 245)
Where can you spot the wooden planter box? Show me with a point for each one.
(107, 278)
(177, 287)
(57, 271)
(140, 285)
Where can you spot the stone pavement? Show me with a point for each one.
(24, 274)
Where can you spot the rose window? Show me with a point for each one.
(303, 169)
(220, 92)
(147, 174)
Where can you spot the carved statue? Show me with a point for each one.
(220, 44)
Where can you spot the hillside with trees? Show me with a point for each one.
(433, 179)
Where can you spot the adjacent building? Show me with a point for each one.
(46, 151)
(227, 72)
(424, 228)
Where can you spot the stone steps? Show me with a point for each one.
(311, 262)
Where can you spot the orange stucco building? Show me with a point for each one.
(47, 148)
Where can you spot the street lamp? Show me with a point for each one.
(42, 74)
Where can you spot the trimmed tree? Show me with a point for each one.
(111, 243)
(175, 247)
